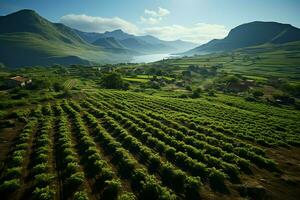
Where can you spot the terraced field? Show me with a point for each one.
(108, 144)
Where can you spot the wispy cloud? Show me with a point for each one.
(161, 12)
(154, 17)
(199, 33)
(98, 24)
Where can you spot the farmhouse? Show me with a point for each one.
(18, 81)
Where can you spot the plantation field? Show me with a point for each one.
(259, 61)
(109, 144)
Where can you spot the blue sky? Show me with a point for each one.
(193, 20)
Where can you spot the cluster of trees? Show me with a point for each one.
(204, 71)
(291, 89)
(113, 81)
(38, 84)
(196, 93)
(157, 82)
(231, 83)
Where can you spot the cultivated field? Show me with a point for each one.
(106, 144)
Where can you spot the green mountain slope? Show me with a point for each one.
(250, 34)
(89, 37)
(139, 45)
(28, 39)
(108, 42)
(29, 21)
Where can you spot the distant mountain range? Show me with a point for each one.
(141, 44)
(28, 39)
(249, 35)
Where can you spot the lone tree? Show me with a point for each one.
(113, 81)
(257, 93)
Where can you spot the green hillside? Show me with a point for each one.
(250, 34)
(36, 41)
(108, 42)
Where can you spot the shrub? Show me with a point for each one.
(43, 179)
(257, 93)
(10, 185)
(196, 93)
(17, 160)
(71, 168)
(217, 178)
(47, 109)
(43, 150)
(211, 93)
(96, 167)
(127, 166)
(231, 170)
(43, 142)
(81, 195)
(67, 151)
(40, 168)
(244, 165)
(166, 173)
(284, 98)
(45, 193)
(107, 174)
(178, 180)
(75, 180)
(127, 196)
(70, 159)
(154, 162)
(153, 190)
(170, 153)
(111, 189)
(137, 178)
(14, 172)
(41, 158)
(18, 153)
(22, 146)
(192, 185)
